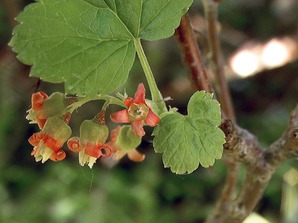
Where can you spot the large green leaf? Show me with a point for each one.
(187, 141)
(89, 44)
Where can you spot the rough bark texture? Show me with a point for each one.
(260, 164)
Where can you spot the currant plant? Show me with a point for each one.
(90, 46)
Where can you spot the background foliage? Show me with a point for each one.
(145, 192)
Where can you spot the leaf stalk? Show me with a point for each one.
(155, 93)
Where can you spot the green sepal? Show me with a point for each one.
(57, 129)
(91, 131)
(55, 105)
(127, 139)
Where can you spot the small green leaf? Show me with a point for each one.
(187, 141)
(89, 44)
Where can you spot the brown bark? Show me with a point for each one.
(260, 164)
(216, 60)
(191, 55)
(241, 147)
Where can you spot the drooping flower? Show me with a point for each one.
(44, 107)
(48, 142)
(124, 142)
(91, 143)
(137, 113)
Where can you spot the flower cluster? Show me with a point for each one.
(47, 113)
(52, 114)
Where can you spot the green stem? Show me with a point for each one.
(155, 93)
(110, 99)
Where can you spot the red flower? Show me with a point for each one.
(136, 113)
(48, 142)
(91, 144)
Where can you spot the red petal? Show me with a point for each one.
(120, 116)
(118, 155)
(52, 143)
(37, 100)
(113, 135)
(58, 155)
(128, 101)
(41, 123)
(152, 119)
(35, 138)
(137, 128)
(135, 156)
(74, 144)
(92, 150)
(106, 150)
(67, 117)
(140, 94)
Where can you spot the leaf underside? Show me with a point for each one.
(89, 44)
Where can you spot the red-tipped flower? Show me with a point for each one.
(91, 144)
(48, 142)
(44, 107)
(137, 113)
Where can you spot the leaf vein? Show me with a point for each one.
(96, 67)
(155, 16)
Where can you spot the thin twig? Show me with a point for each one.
(194, 62)
(216, 61)
(191, 55)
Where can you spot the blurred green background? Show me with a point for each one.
(146, 192)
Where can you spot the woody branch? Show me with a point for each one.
(241, 146)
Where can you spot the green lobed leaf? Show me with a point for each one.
(89, 44)
(187, 141)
